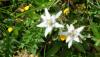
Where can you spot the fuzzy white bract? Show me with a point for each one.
(49, 21)
(72, 34)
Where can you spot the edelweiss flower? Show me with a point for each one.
(49, 21)
(72, 34)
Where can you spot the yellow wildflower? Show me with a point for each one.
(23, 8)
(66, 11)
(26, 8)
(62, 37)
(10, 29)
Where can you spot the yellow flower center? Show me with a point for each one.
(49, 22)
(73, 33)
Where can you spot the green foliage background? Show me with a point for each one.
(26, 36)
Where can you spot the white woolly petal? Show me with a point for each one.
(77, 39)
(48, 30)
(70, 28)
(63, 33)
(53, 18)
(67, 26)
(78, 30)
(58, 14)
(47, 14)
(68, 39)
(43, 17)
(57, 25)
(43, 24)
(69, 43)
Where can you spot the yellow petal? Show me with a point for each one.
(62, 37)
(66, 11)
(10, 29)
(26, 8)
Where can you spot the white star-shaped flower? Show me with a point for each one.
(49, 21)
(72, 34)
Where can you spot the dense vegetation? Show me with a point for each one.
(20, 36)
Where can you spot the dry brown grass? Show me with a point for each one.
(24, 53)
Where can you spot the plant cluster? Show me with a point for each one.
(49, 28)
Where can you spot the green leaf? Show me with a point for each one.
(94, 29)
(53, 50)
(34, 49)
(97, 43)
(79, 47)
